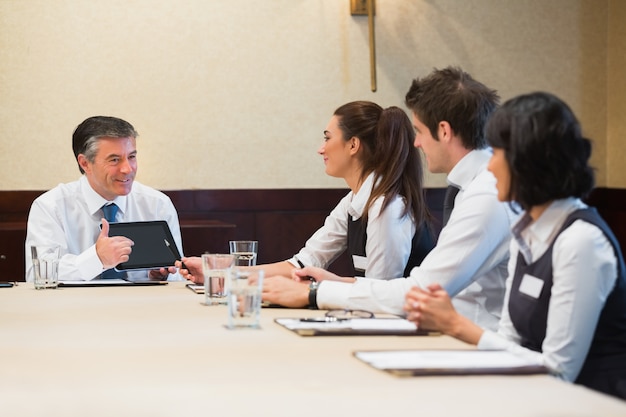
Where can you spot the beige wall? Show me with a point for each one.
(235, 94)
(616, 157)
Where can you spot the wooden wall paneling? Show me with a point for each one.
(611, 204)
(12, 239)
(283, 234)
(281, 220)
(200, 236)
(15, 205)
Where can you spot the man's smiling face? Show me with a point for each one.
(114, 167)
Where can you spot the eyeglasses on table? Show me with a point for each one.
(341, 315)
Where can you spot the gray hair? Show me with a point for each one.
(87, 135)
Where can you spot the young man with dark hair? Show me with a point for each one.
(449, 110)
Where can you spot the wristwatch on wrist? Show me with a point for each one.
(313, 294)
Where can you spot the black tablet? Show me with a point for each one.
(154, 245)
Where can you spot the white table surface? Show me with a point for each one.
(157, 351)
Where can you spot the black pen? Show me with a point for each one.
(302, 266)
(321, 319)
(182, 264)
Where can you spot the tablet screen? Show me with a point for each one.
(150, 250)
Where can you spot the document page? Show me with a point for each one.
(95, 282)
(110, 283)
(356, 324)
(372, 326)
(441, 362)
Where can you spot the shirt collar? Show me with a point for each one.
(544, 229)
(357, 204)
(95, 201)
(468, 167)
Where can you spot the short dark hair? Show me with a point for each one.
(544, 148)
(453, 96)
(86, 135)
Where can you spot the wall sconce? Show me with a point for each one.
(359, 7)
(366, 7)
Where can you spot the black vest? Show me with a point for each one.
(604, 368)
(421, 244)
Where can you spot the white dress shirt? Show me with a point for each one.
(469, 260)
(584, 273)
(69, 216)
(389, 235)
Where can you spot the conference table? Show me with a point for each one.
(158, 351)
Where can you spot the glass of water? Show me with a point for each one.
(45, 266)
(245, 290)
(244, 251)
(215, 267)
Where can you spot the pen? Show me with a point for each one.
(321, 319)
(182, 264)
(302, 266)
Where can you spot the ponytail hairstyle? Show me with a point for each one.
(387, 137)
(399, 168)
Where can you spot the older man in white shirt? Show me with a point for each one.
(70, 215)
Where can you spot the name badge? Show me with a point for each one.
(360, 262)
(531, 286)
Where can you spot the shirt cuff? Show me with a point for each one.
(492, 341)
(88, 264)
(175, 277)
(333, 294)
(294, 262)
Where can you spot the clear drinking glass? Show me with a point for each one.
(245, 251)
(45, 266)
(215, 267)
(244, 298)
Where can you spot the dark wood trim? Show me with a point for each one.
(15, 205)
(608, 199)
(611, 204)
(281, 220)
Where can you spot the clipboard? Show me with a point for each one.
(393, 326)
(197, 288)
(450, 362)
(111, 283)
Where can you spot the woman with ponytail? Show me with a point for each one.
(383, 222)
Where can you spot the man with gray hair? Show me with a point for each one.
(75, 216)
